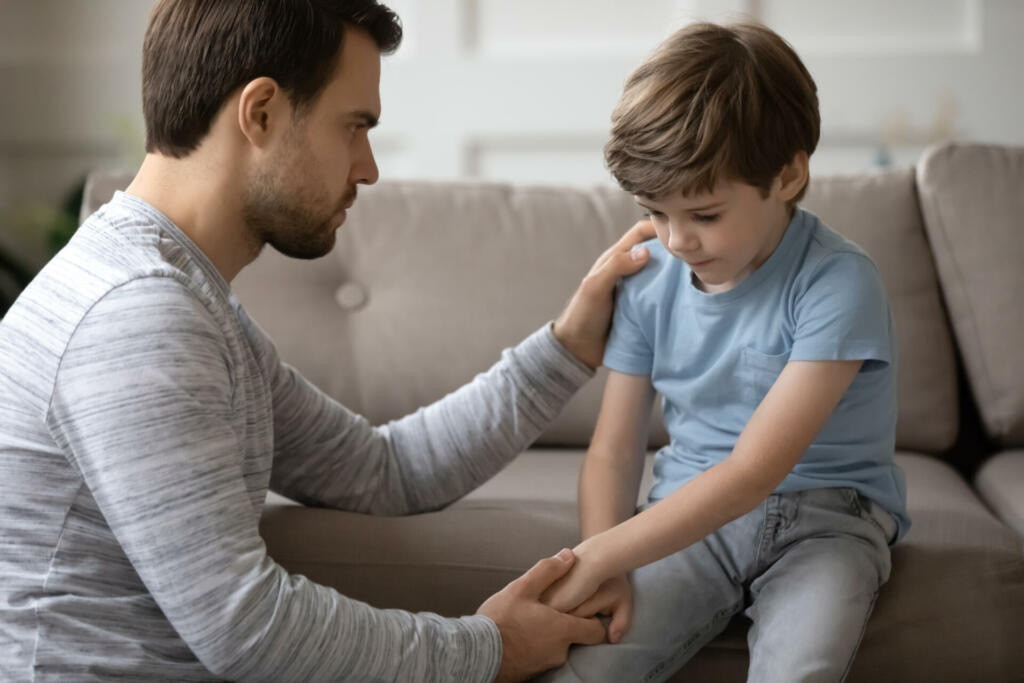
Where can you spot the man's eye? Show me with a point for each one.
(706, 217)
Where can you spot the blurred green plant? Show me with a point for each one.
(30, 235)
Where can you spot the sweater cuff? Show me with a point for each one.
(553, 360)
(483, 649)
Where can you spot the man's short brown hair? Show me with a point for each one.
(198, 52)
(713, 103)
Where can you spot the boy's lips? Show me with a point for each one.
(698, 264)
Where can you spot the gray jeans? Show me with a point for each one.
(805, 566)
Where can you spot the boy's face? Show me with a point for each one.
(724, 235)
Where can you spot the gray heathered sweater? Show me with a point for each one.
(143, 417)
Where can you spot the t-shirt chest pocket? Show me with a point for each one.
(758, 372)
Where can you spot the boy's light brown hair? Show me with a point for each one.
(713, 103)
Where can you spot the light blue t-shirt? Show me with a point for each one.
(713, 357)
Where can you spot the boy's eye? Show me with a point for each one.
(654, 215)
(706, 217)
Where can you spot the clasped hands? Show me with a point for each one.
(588, 590)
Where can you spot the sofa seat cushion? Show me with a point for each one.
(952, 611)
(972, 197)
(1000, 482)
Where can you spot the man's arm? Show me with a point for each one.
(143, 407)
(773, 441)
(326, 455)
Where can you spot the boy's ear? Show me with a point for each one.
(793, 176)
(262, 108)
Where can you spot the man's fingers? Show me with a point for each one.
(541, 575)
(583, 631)
(640, 232)
(621, 264)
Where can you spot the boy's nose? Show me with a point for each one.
(681, 240)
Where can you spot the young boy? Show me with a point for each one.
(770, 340)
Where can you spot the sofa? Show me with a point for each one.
(429, 281)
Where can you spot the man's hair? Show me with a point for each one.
(713, 103)
(198, 52)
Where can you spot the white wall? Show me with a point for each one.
(521, 89)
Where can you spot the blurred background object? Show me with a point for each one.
(508, 90)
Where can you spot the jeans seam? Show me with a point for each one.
(863, 630)
(662, 665)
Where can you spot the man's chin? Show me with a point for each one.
(307, 250)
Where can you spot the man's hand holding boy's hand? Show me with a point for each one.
(582, 328)
(586, 591)
(614, 598)
(535, 637)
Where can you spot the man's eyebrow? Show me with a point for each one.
(367, 118)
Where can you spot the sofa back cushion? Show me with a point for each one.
(972, 197)
(880, 212)
(429, 281)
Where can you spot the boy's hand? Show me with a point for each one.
(575, 587)
(614, 598)
(534, 637)
(582, 328)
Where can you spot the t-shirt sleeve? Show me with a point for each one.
(629, 349)
(843, 314)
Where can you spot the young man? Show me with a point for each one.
(769, 337)
(144, 415)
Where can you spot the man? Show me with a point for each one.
(144, 415)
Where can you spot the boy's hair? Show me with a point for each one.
(198, 52)
(713, 103)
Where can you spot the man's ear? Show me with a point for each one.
(262, 108)
(793, 176)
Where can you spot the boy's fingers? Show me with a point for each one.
(622, 619)
(541, 575)
(583, 631)
(595, 604)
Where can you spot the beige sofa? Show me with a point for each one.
(429, 281)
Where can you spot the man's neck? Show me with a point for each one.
(203, 201)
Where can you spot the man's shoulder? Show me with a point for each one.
(101, 278)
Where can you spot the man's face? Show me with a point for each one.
(723, 235)
(297, 197)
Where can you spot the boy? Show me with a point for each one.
(769, 338)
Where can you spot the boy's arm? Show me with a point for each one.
(610, 478)
(776, 437)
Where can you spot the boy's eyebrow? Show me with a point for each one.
(705, 207)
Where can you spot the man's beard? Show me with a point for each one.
(287, 221)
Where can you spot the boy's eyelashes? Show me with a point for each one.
(699, 217)
(706, 217)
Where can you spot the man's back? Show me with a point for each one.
(69, 591)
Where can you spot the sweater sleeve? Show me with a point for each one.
(141, 405)
(328, 456)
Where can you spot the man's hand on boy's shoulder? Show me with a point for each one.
(582, 328)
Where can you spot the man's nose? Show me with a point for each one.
(364, 169)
